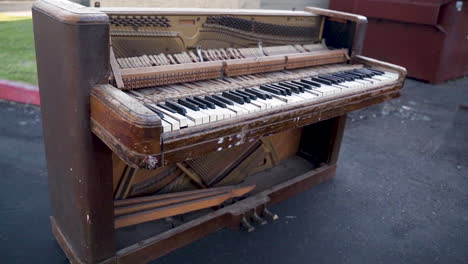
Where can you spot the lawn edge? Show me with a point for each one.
(19, 92)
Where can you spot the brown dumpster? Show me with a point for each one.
(428, 37)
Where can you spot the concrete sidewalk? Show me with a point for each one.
(400, 194)
(16, 8)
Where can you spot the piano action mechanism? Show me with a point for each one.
(179, 122)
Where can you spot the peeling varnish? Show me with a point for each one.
(151, 162)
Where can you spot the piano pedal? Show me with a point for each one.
(257, 219)
(171, 221)
(246, 225)
(269, 214)
(175, 221)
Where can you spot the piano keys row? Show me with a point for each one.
(198, 110)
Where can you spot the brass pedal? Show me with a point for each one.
(257, 219)
(267, 213)
(246, 225)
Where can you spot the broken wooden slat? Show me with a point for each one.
(180, 208)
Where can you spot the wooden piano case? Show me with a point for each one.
(85, 174)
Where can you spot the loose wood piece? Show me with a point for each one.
(149, 202)
(180, 208)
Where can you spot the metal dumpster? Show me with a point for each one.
(428, 37)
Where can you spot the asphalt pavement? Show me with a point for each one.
(400, 194)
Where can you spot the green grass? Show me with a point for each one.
(17, 57)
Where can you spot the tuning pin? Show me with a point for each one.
(270, 214)
(258, 219)
(245, 224)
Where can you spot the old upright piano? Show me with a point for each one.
(174, 123)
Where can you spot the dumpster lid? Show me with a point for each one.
(410, 11)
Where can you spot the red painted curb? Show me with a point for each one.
(19, 92)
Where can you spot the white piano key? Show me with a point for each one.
(250, 107)
(259, 103)
(315, 92)
(166, 126)
(307, 96)
(226, 112)
(246, 108)
(296, 98)
(190, 123)
(183, 121)
(275, 102)
(267, 102)
(280, 97)
(175, 125)
(196, 117)
(238, 110)
(212, 115)
(219, 114)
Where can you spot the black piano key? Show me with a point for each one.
(299, 87)
(205, 102)
(355, 75)
(246, 93)
(189, 105)
(316, 84)
(332, 80)
(245, 97)
(293, 88)
(257, 93)
(363, 75)
(215, 101)
(271, 90)
(181, 110)
(367, 75)
(376, 71)
(346, 77)
(366, 71)
(222, 99)
(284, 91)
(192, 101)
(267, 95)
(167, 108)
(284, 87)
(234, 98)
(152, 108)
(319, 80)
(304, 85)
(337, 78)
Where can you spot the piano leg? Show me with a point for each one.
(320, 142)
(79, 164)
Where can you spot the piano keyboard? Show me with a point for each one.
(180, 113)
